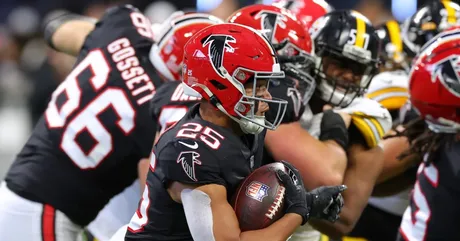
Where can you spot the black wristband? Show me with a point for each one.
(51, 24)
(333, 128)
(309, 198)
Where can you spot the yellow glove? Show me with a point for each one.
(371, 119)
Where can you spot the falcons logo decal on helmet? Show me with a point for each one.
(218, 45)
(269, 22)
(296, 100)
(188, 159)
(447, 70)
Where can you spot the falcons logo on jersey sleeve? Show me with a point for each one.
(188, 159)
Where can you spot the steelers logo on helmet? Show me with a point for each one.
(429, 20)
(347, 51)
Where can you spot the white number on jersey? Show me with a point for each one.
(86, 118)
(140, 217)
(415, 222)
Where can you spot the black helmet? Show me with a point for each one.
(428, 21)
(393, 52)
(344, 40)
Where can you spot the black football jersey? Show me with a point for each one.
(170, 104)
(193, 151)
(434, 211)
(85, 148)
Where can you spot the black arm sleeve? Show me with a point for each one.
(53, 23)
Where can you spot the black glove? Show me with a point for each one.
(333, 128)
(295, 198)
(326, 202)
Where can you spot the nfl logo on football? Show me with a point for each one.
(257, 191)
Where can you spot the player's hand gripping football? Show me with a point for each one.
(326, 202)
(296, 196)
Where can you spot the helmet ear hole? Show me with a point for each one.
(218, 85)
(253, 13)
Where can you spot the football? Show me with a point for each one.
(259, 200)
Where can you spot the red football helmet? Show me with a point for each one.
(288, 35)
(455, 27)
(434, 84)
(307, 11)
(171, 36)
(278, 25)
(219, 60)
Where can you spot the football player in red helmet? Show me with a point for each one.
(167, 52)
(166, 55)
(219, 142)
(338, 138)
(307, 11)
(60, 179)
(434, 89)
(294, 49)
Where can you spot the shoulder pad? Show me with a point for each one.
(370, 118)
(366, 107)
(390, 89)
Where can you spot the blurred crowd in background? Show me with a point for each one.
(30, 71)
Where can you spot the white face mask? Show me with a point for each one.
(252, 127)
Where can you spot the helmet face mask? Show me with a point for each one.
(252, 97)
(289, 37)
(340, 79)
(347, 56)
(297, 65)
(226, 64)
(302, 79)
